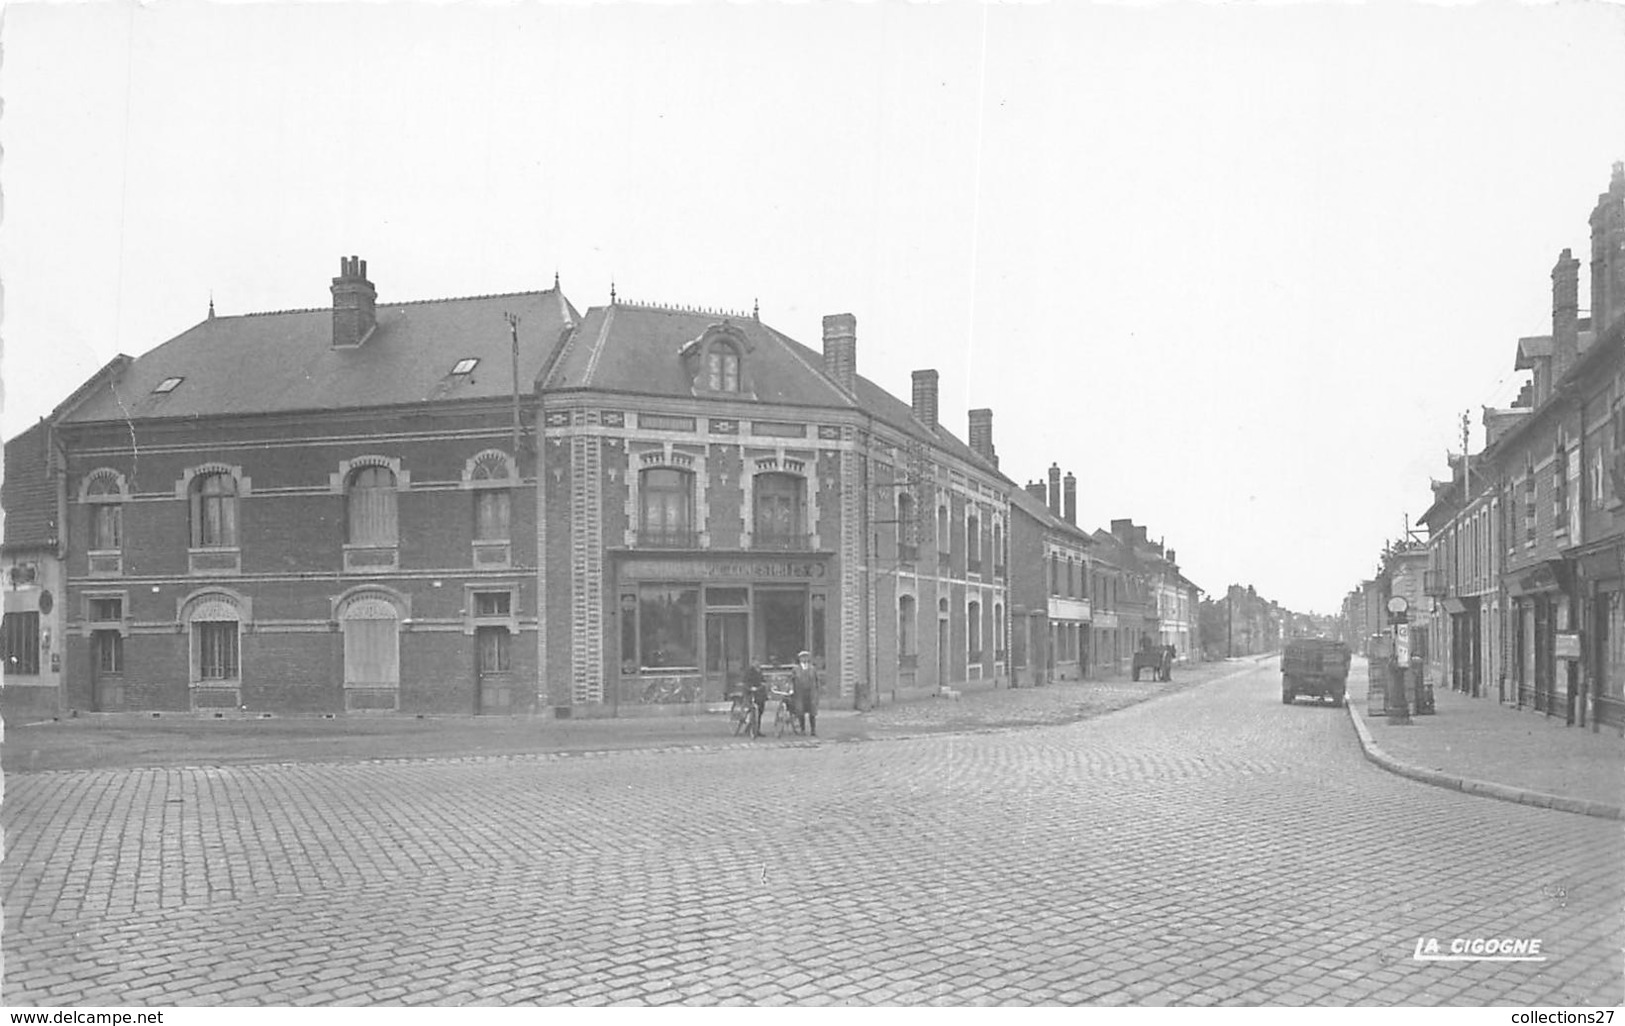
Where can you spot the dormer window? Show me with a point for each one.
(715, 361)
(722, 368)
(167, 386)
(466, 365)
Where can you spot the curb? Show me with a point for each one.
(1480, 788)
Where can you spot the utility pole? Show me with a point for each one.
(1466, 461)
(1230, 623)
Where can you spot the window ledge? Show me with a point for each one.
(105, 562)
(370, 558)
(226, 559)
(492, 555)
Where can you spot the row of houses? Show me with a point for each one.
(1518, 589)
(502, 504)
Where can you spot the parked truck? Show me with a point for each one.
(1314, 666)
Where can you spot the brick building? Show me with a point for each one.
(31, 573)
(321, 510)
(1051, 582)
(720, 495)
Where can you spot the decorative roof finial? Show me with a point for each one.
(612, 292)
(211, 304)
(756, 309)
(555, 279)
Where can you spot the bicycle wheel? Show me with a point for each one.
(741, 717)
(781, 720)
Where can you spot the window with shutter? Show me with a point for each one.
(371, 498)
(371, 643)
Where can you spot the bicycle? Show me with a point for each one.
(743, 714)
(784, 717)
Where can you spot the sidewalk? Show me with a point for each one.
(1479, 746)
(128, 740)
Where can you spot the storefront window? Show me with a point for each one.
(817, 646)
(668, 625)
(781, 625)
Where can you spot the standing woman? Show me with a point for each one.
(807, 685)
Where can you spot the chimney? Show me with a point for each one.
(1069, 494)
(1565, 314)
(1055, 489)
(1036, 490)
(841, 349)
(925, 397)
(354, 298)
(1608, 254)
(1171, 558)
(981, 435)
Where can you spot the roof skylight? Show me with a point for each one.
(465, 365)
(167, 385)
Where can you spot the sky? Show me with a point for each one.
(1240, 268)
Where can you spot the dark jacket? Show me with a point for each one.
(807, 685)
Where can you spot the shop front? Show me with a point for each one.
(1540, 611)
(690, 625)
(1600, 578)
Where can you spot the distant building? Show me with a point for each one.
(1053, 610)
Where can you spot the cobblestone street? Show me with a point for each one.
(1208, 847)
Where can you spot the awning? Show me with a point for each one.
(1605, 564)
(1544, 576)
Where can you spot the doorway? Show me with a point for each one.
(727, 651)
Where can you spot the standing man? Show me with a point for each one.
(807, 685)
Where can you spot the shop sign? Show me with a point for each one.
(724, 569)
(1566, 644)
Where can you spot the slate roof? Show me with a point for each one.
(285, 361)
(28, 493)
(635, 349)
(1029, 504)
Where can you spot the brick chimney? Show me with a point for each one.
(1069, 496)
(1055, 489)
(1036, 490)
(1565, 314)
(354, 299)
(841, 349)
(925, 397)
(1171, 558)
(981, 435)
(1608, 254)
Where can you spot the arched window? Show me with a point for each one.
(998, 548)
(214, 511)
(973, 541)
(781, 519)
(973, 631)
(492, 500)
(107, 515)
(214, 623)
(371, 643)
(906, 616)
(944, 540)
(998, 631)
(371, 500)
(667, 499)
(722, 367)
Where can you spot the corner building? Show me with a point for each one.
(718, 495)
(494, 504)
(311, 511)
